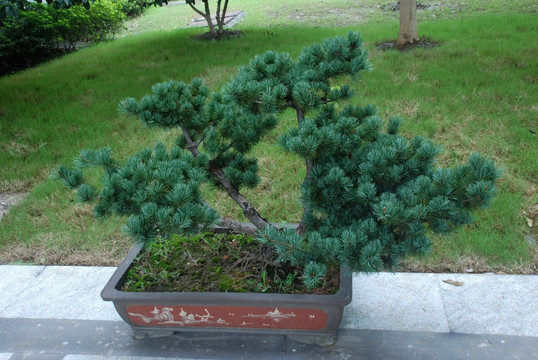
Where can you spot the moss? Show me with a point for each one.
(226, 283)
(212, 262)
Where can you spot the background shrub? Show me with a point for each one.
(28, 39)
(41, 32)
(78, 25)
(134, 8)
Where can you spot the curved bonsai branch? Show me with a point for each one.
(248, 210)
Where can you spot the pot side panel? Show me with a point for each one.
(247, 317)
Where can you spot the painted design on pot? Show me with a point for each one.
(275, 315)
(165, 317)
(228, 316)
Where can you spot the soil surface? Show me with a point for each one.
(210, 262)
(227, 34)
(423, 43)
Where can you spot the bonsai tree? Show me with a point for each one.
(369, 194)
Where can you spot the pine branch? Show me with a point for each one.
(309, 165)
(285, 244)
(191, 145)
(219, 155)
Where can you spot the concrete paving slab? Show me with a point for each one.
(64, 292)
(106, 340)
(491, 304)
(484, 304)
(113, 339)
(400, 302)
(14, 280)
(36, 356)
(97, 357)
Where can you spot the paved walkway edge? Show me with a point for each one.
(111, 340)
(438, 303)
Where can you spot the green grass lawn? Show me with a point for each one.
(475, 92)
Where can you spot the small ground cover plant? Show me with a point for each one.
(369, 195)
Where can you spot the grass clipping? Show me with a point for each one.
(212, 262)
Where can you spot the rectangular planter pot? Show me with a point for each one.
(305, 318)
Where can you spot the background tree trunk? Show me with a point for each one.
(206, 14)
(408, 22)
(221, 15)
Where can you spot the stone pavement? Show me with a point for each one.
(56, 313)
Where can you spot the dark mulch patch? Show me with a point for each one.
(227, 34)
(423, 43)
(396, 6)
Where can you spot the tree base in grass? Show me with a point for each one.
(227, 34)
(422, 43)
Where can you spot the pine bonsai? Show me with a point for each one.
(369, 195)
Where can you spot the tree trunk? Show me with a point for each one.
(207, 16)
(221, 15)
(408, 22)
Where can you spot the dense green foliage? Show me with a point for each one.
(372, 194)
(27, 40)
(160, 189)
(134, 8)
(101, 22)
(369, 194)
(41, 32)
(12, 8)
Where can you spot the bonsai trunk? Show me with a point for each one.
(249, 211)
(408, 33)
